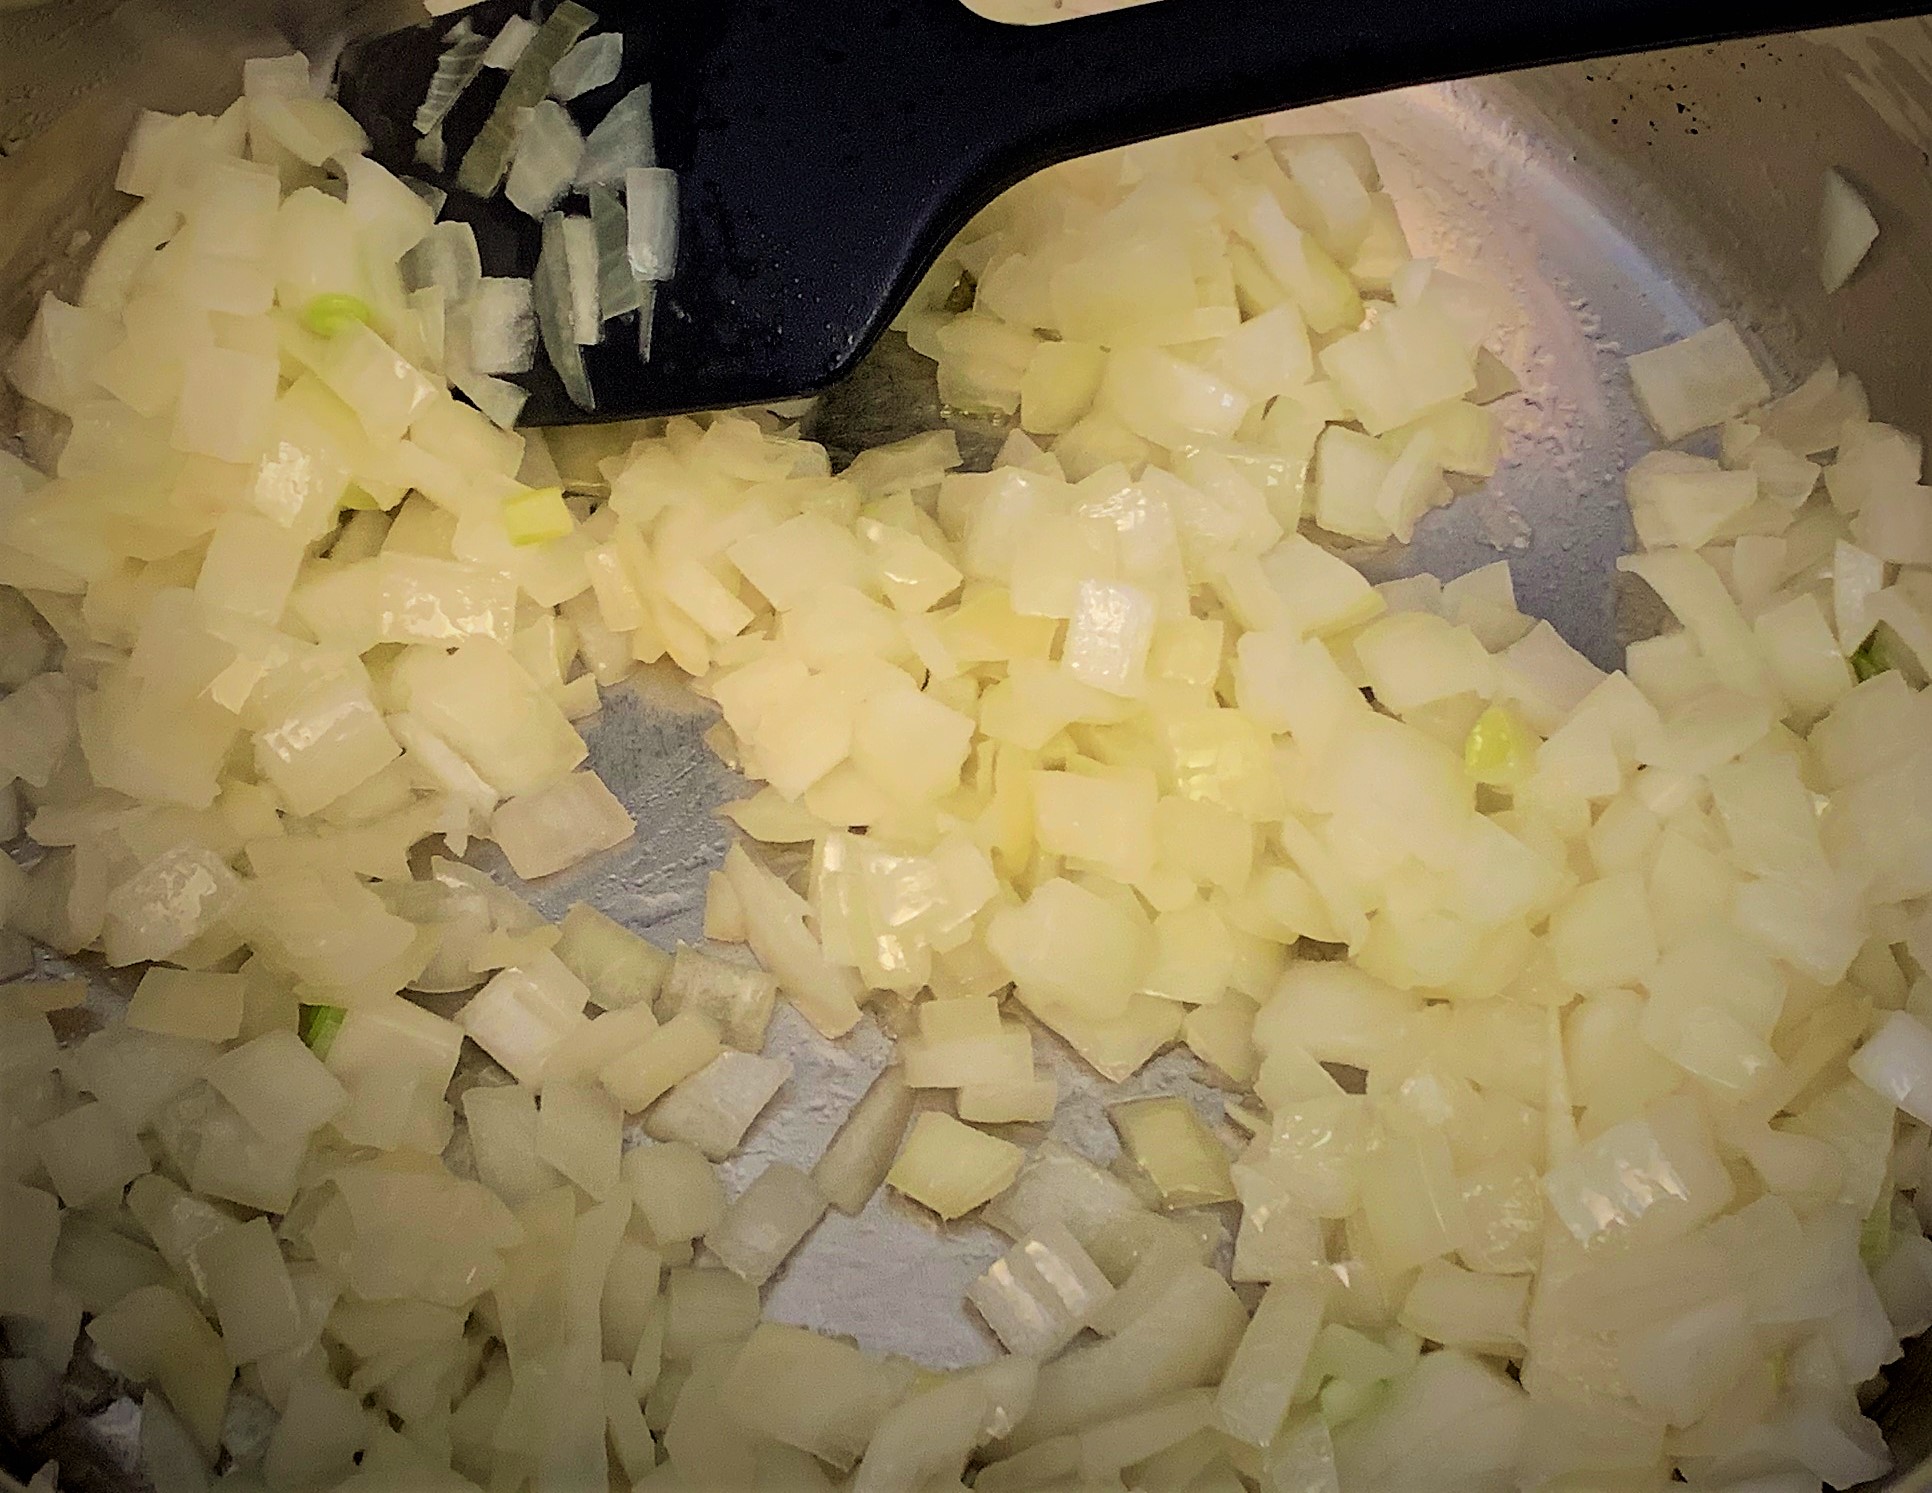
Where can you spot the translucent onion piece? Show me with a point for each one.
(646, 317)
(651, 198)
(580, 259)
(617, 287)
(500, 325)
(434, 196)
(592, 63)
(509, 44)
(554, 321)
(1847, 231)
(1897, 1062)
(1702, 380)
(498, 398)
(461, 61)
(286, 76)
(548, 148)
(622, 141)
(488, 156)
(447, 258)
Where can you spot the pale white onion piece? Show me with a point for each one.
(499, 326)
(557, 826)
(592, 63)
(621, 141)
(651, 200)
(498, 398)
(1897, 1062)
(581, 259)
(508, 45)
(447, 258)
(456, 69)
(1847, 231)
(548, 149)
(488, 155)
(646, 318)
(766, 1222)
(1700, 381)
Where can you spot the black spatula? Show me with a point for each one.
(826, 150)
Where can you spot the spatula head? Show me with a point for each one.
(813, 188)
(826, 150)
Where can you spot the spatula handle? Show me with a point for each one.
(1086, 84)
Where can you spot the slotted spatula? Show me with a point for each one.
(826, 150)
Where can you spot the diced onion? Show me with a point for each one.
(581, 259)
(1701, 381)
(1100, 726)
(499, 326)
(509, 43)
(651, 201)
(456, 69)
(556, 312)
(489, 154)
(547, 151)
(618, 290)
(621, 141)
(1847, 231)
(590, 64)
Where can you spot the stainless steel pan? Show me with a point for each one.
(1618, 202)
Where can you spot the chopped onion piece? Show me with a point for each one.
(489, 154)
(766, 1223)
(501, 400)
(456, 69)
(580, 258)
(537, 516)
(1847, 231)
(952, 1168)
(620, 968)
(499, 326)
(622, 141)
(555, 312)
(714, 1107)
(646, 317)
(618, 290)
(1041, 1293)
(543, 832)
(447, 258)
(286, 76)
(548, 149)
(651, 200)
(1703, 380)
(592, 63)
(509, 44)
(1897, 1062)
